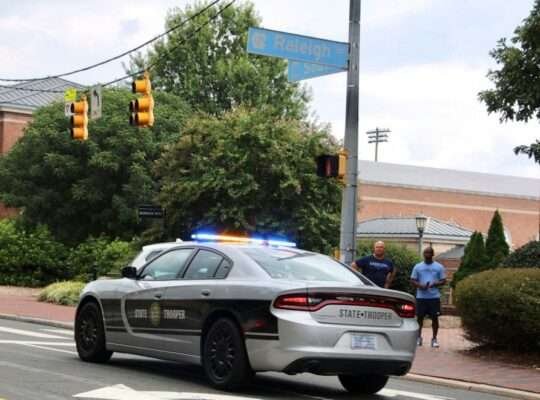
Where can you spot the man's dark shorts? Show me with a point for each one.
(431, 307)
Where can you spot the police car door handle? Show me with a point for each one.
(158, 296)
(205, 292)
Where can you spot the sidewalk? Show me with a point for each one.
(446, 362)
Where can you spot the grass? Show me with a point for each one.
(64, 293)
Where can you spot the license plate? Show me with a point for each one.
(364, 342)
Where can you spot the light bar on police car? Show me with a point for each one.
(240, 239)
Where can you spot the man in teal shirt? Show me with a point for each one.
(427, 277)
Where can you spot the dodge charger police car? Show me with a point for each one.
(244, 306)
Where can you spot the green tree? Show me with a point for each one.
(404, 260)
(517, 82)
(88, 188)
(252, 172)
(496, 247)
(474, 258)
(527, 256)
(212, 71)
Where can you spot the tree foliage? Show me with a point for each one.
(517, 82)
(496, 247)
(87, 188)
(474, 258)
(211, 69)
(249, 171)
(527, 256)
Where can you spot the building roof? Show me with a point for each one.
(16, 98)
(405, 227)
(452, 254)
(448, 180)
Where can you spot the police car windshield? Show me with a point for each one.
(293, 264)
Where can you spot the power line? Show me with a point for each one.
(378, 136)
(108, 60)
(153, 64)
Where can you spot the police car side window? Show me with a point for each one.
(167, 266)
(223, 269)
(203, 265)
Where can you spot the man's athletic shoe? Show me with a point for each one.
(419, 341)
(434, 343)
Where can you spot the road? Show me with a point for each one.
(40, 362)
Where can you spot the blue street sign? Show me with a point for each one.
(296, 47)
(297, 71)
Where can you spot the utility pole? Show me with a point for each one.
(347, 243)
(378, 136)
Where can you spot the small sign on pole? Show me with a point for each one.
(151, 211)
(95, 102)
(70, 95)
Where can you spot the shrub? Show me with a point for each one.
(30, 257)
(527, 256)
(502, 307)
(65, 293)
(97, 257)
(496, 247)
(404, 260)
(474, 258)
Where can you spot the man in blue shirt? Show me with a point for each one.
(376, 267)
(427, 277)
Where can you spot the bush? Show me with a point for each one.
(404, 260)
(97, 257)
(30, 257)
(527, 256)
(502, 307)
(474, 259)
(65, 293)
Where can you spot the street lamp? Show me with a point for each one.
(421, 220)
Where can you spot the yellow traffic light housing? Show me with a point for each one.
(332, 166)
(142, 108)
(79, 119)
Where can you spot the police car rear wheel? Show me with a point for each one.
(90, 334)
(363, 384)
(224, 356)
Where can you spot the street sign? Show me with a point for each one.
(151, 211)
(95, 102)
(67, 109)
(297, 47)
(298, 71)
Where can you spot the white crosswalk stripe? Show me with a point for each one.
(25, 332)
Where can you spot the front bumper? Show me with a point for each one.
(305, 345)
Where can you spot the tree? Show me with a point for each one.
(496, 247)
(517, 82)
(212, 71)
(248, 171)
(527, 256)
(88, 188)
(474, 258)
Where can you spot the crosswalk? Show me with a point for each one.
(38, 337)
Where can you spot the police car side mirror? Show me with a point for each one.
(129, 272)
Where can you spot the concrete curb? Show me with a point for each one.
(469, 386)
(474, 387)
(21, 318)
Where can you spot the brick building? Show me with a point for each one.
(18, 103)
(466, 199)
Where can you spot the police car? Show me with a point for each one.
(238, 306)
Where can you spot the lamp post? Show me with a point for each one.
(421, 220)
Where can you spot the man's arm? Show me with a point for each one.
(390, 278)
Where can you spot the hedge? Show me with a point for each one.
(404, 260)
(501, 307)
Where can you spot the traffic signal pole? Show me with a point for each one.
(347, 244)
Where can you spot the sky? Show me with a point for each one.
(422, 64)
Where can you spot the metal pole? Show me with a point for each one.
(347, 244)
(420, 243)
(376, 144)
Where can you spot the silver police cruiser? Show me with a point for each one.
(239, 306)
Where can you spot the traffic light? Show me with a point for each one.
(79, 119)
(142, 108)
(332, 166)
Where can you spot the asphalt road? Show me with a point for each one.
(39, 362)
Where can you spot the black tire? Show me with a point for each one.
(90, 334)
(363, 384)
(224, 356)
